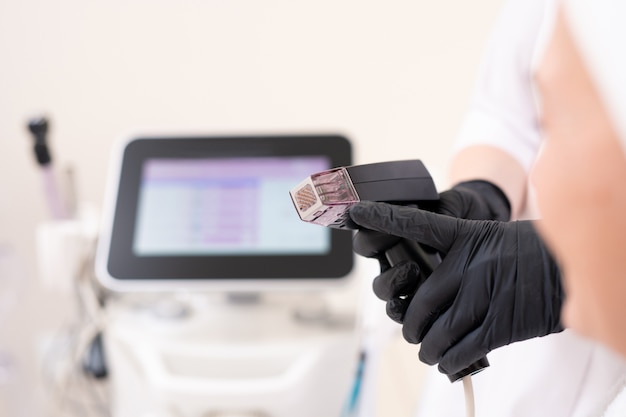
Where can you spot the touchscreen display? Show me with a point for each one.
(215, 211)
(225, 206)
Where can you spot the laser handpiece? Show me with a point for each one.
(324, 198)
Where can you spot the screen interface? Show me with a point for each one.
(225, 206)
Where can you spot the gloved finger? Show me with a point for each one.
(468, 351)
(396, 308)
(400, 281)
(434, 230)
(370, 243)
(432, 298)
(450, 328)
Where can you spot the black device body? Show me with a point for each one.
(396, 181)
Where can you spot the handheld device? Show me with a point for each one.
(324, 198)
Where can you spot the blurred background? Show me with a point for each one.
(394, 77)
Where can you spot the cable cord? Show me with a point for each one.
(469, 396)
(72, 393)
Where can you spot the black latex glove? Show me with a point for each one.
(479, 200)
(497, 283)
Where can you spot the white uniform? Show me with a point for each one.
(560, 374)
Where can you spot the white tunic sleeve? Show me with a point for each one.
(503, 112)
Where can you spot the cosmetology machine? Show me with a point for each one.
(223, 303)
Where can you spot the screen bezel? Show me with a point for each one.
(121, 265)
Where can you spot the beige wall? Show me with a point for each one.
(395, 77)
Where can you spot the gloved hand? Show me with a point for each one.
(496, 284)
(477, 199)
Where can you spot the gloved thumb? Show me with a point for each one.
(431, 229)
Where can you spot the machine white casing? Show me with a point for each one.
(229, 360)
